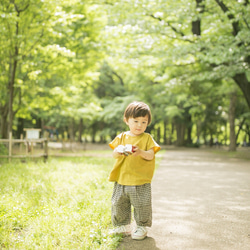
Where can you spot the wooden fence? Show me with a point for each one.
(29, 150)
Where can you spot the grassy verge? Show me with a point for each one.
(61, 204)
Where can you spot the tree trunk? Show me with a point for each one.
(4, 125)
(20, 127)
(11, 91)
(165, 133)
(80, 130)
(198, 131)
(211, 141)
(12, 69)
(240, 128)
(225, 137)
(189, 128)
(71, 130)
(95, 128)
(172, 133)
(248, 133)
(244, 84)
(158, 132)
(232, 107)
(180, 129)
(93, 136)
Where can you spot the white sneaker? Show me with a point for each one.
(124, 230)
(140, 233)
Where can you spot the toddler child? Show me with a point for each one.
(133, 172)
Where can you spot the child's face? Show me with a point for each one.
(137, 125)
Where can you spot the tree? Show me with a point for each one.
(47, 48)
(196, 41)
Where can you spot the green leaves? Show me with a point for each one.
(174, 111)
(55, 47)
(86, 60)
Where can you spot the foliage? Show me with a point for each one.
(187, 48)
(3, 149)
(83, 62)
(55, 49)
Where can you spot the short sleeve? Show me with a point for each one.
(116, 141)
(153, 144)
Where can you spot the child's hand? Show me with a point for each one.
(136, 151)
(147, 155)
(124, 150)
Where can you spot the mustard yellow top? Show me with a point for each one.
(133, 170)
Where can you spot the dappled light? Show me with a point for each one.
(201, 203)
(68, 70)
(64, 65)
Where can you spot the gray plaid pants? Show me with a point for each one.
(126, 196)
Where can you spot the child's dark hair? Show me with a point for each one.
(137, 109)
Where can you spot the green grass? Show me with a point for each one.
(61, 204)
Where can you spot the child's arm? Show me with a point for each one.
(147, 155)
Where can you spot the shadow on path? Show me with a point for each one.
(146, 244)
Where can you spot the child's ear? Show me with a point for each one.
(125, 120)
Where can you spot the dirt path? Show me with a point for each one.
(201, 201)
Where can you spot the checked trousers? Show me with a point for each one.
(126, 197)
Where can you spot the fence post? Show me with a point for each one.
(10, 146)
(21, 143)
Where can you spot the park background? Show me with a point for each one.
(69, 69)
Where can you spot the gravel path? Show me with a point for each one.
(201, 201)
